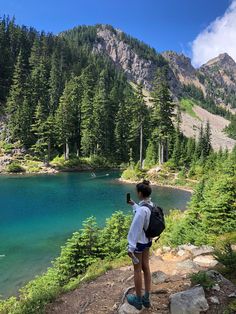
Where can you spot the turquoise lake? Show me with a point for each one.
(38, 214)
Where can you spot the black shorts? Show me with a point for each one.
(140, 247)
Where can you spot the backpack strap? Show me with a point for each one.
(150, 207)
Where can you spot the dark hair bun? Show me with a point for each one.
(146, 182)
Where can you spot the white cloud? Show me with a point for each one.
(218, 37)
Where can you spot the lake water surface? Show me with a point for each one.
(38, 214)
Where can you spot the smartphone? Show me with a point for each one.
(128, 197)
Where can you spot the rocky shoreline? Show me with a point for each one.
(177, 187)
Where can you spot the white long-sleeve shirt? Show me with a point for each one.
(140, 221)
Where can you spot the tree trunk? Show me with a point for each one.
(67, 150)
(162, 153)
(49, 153)
(167, 151)
(141, 146)
(159, 152)
(77, 149)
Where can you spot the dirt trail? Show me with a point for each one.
(105, 294)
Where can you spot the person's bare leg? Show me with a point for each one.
(138, 275)
(146, 270)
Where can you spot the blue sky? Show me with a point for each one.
(163, 24)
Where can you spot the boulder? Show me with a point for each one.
(214, 300)
(202, 250)
(216, 276)
(191, 301)
(126, 308)
(187, 247)
(205, 261)
(158, 277)
(187, 265)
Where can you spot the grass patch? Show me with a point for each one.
(187, 106)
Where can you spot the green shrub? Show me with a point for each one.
(15, 167)
(224, 253)
(202, 279)
(133, 174)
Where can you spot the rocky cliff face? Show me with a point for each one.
(138, 69)
(184, 72)
(220, 79)
(216, 79)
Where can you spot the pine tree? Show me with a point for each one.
(101, 113)
(200, 144)
(219, 205)
(44, 130)
(207, 140)
(68, 116)
(162, 114)
(122, 127)
(177, 151)
(39, 85)
(16, 99)
(139, 123)
(55, 82)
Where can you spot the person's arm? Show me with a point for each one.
(136, 227)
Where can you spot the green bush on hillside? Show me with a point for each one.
(15, 167)
(201, 278)
(225, 254)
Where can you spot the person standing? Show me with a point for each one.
(139, 246)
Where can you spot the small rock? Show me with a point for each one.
(166, 249)
(233, 246)
(127, 309)
(214, 300)
(205, 261)
(187, 264)
(191, 301)
(187, 247)
(181, 253)
(115, 307)
(158, 252)
(158, 277)
(232, 295)
(216, 287)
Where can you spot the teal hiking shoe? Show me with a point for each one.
(135, 301)
(146, 300)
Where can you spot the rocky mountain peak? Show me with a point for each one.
(111, 43)
(222, 73)
(223, 60)
(180, 63)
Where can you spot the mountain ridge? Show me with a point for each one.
(128, 54)
(206, 85)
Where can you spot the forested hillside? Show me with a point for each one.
(65, 95)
